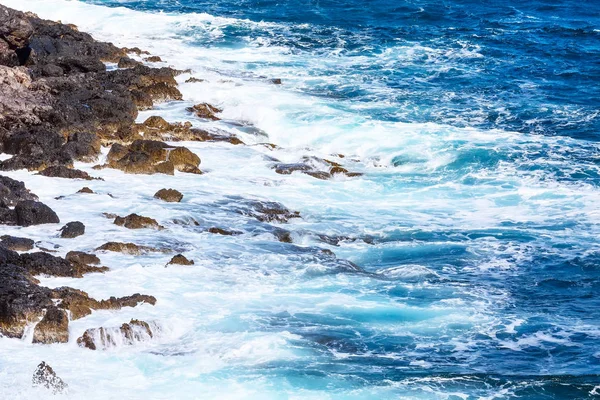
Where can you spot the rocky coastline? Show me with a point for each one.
(63, 97)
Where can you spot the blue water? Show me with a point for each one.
(508, 307)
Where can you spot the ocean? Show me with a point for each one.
(476, 223)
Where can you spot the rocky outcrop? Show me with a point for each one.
(265, 211)
(60, 171)
(31, 212)
(13, 191)
(44, 376)
(16, 243)
(79, 257)
(169, 195)
(180, 259)
(53, 328)
(72, 230)
(151, 156)
(128, 248)
(134, 221)
(126, 335)
(205, 111)
(319, 168)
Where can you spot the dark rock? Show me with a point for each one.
(126, 62)
(53, 328)
(60, 171)
(83, 146)
(193, 80)
(267, 211)
(85, 189)
(127, 248)
(206, 111)
(153, 59)
(225, 232)
(276, 81)
(79, 257)
(72, 230)
(169, 195)
(16, 243)
(282, 235)
(31, 212)
(44, 376)
(12, 191)
(135, 50)
(179, 259)
(134, 221)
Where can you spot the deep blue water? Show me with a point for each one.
(531, 67)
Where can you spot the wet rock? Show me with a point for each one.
(31, 212)
(169, 195)
(316, 167)
(53, 328)
(16, 243)
(282, 235)
(157, 128)
(72, 230)
(225, 232)
(206, 111)
(153, 59)
(79, 257)
(127, 334)
(134, 221)
(86, 190)
(126, 62)
(60, 171)
(179, 259)
(135, 50)
(127, 248)
(266, 211)
(43, 263)
(44, 376)
(276, 81)
(13, 191)
(193, 80)
(183, 159)
(83, 146)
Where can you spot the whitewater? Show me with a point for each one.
(476, 220)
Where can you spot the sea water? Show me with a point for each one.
(476, 220)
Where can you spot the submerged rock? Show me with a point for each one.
(206, 111)
(134, 221)
(126, 335)
(53, 328)
(180, 259)
(128, 248)
(266, 211)
(72, 230)
(44, 376)
(60, 171)
(225, 232)
(16, 243)
(316, 167)
(169, 195)
(86, 190)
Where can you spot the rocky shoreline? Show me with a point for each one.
(63, 97)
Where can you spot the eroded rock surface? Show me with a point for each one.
(134, 221)
(169, 195)
(44, 376)
(126, 335)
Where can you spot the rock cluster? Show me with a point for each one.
(127, 334)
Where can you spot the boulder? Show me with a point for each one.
(60, 171)
(179, 259)
(169, 195)
(13, 191)
(16, 243)
(153, 59)
(126, 335)
(31, 212)
(134, 221)
(205, 110)
(53, 328)
(86, 190)
(72, 230)
(79, 257)
(44, 376)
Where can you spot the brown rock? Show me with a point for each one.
(179, 259)
(134, 221)
(53, 328)
(193, 80)
(126, 62)
(169, 195)
(86, 190)
(221, 231)
(127, 334)
(183, 159)
(206, 111)
(79, 257)
(153, 59)
(127, 248)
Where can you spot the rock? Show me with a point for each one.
(85, 189)
(72, 230)
(16, 243)
(206, 111)
(60, 171)
(13, 191)
(316, 167)
(276, 81)
(135, 50)
(282, 235)
(183, 159)
(221, 231)
(153, 59)
(179, 259)
(151, 156)
(31, 212)
(157, 128)
(44, 376)
(53, 328)
(266, 211)
(169, 195)
(127, 248)
(193, 80)
(126, 62)
(79, 257)
(43, 263)
(127, 334)
(134, 221)
(83, 146)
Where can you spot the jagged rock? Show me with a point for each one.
(127, 334)
(169, 195)
(126, 62)
(13, 191)
(153, 59)
(86, 190)
(319, 168)
(179, 259)
(79, 257)
(83, 146)
(157, 128)
(16, 243)
(134, 50)
(134, 221)
(192, 79)
(45, 376)
(60, 171)
(221, 231)
(31, 212)
(282, 235)
(72, 230)
(265, 211)
(183, 159)
(53, 328)
(205, 110)
(127, 248)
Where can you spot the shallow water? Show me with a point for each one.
(476, 220)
